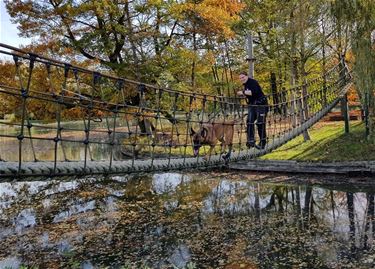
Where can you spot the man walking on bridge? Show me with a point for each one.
(257, 110)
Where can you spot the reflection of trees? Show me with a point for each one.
(67, 200)
(370, 221)
(297, 205)
(257, 203)
(333, 205)
(277, 199)
(312, 219)
(273, 225)
(350, 201)
(308, 209)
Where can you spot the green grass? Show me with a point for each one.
(328, 143)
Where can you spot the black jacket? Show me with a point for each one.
(257, 96)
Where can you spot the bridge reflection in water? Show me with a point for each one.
(210, 220)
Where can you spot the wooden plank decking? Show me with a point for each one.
(351, 168)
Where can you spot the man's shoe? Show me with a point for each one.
(260, 146)
(250, 145)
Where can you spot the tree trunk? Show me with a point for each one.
(131, 41)
(193, 64)
(304, 100)
(157, 32)
(275, 96)
(293, 70)
(324, 67)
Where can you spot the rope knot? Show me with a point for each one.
(24, 93)
(120, 84)
(32, 57)
(66, 69)
(96, 77)
(20, 137)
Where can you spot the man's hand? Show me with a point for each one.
(244, 93)
(240, 93)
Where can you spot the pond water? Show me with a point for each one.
(72, 148)
(193, 220)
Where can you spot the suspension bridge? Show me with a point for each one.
(102, 124)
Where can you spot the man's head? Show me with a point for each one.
(243, 77)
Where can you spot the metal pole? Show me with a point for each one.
(250, 55)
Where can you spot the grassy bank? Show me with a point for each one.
(328, 143)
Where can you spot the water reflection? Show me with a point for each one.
(45, 150)
(11, 262)
(26, 218)
(171, 219)
(73, 210)
(168, 182)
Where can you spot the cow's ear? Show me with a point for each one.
(204, 132)
(192, 132)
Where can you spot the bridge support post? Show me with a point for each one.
(250, 55)
(345, 112)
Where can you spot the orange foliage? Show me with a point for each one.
(215, 16)
(353, 96)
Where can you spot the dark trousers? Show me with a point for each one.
(259, 114)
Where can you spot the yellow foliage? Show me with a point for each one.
(217, 15)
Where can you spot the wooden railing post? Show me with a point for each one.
(344, 99)
(345, 111)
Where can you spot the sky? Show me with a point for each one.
(9, 31)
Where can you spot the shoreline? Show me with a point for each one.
(296, 167)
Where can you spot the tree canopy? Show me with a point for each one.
(199, 45)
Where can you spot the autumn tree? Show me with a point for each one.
(359, 17)
(133, 38)
(113, 33)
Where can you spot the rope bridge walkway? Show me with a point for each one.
(67, 120)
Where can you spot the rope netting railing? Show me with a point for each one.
(57, 118)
